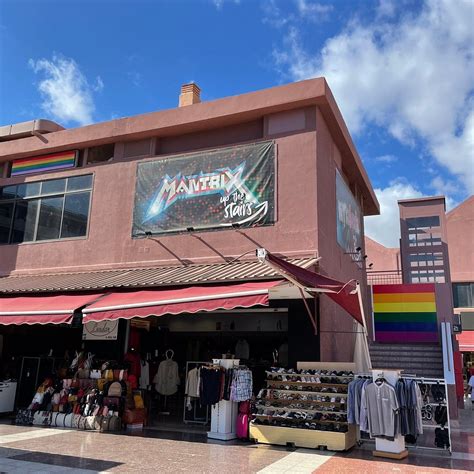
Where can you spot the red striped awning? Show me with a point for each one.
(51, 309)
(466, 341)
(190, 299)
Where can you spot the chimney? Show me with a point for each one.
(190, 94)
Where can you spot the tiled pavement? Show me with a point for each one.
(31, 449)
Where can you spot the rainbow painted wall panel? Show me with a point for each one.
(405, 313)
(40, 164)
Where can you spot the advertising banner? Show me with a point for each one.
(348, 217)
(102, 331)
(208, 190)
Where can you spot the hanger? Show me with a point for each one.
(171, 356)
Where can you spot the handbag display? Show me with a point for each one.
(58, 419)
(24, 417)
(75, 421)
(108, 375)
(83, 373)
(42, 418)
(68, 420)
(114, 390)
(111, 423)
(82, 422)
(95, 374)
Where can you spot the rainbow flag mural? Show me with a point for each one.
(40, 164)
(405, 313)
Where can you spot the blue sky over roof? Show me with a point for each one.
(401, 72)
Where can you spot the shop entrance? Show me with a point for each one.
(259, 338)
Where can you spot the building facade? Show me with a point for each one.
(70, 200)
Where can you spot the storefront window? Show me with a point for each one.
(45, 210)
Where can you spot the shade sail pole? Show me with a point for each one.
(364, 326)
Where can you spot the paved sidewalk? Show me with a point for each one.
(48, 450)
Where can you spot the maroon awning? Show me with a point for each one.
(344, 294)
(44, 309)
(190, 299)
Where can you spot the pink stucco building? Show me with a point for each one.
(314, 160)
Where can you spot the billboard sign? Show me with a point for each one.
(208, 190)
(348, 217)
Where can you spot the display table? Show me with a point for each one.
(303, 438)
(305, 408)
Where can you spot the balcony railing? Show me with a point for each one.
(386, 277)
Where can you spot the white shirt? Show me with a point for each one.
(144, 374)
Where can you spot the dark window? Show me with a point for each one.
(6, 216)
(8, 192)
(54, 186)
(28, 190)
(422, 222)
(99, 154)
(463, 295)
(45, 210)
(49, 222)
(76, 210)
(78, 183)
(24, 224)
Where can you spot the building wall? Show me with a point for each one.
(336, 326)
(436, 243)
(460, 225)
(109, 243)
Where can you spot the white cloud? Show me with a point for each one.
(385, 8)
(385, 228)
(219, 3)
(273, 15)
(313, 11)
(135, 77)
(388, 159)
(67, 95)
(413, 77)
(443, 187)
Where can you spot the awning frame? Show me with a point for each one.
(262, 257)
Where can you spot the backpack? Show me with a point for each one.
(114, 390)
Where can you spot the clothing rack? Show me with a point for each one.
(427, 381)
(197, 419)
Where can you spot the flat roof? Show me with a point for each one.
(206, 115)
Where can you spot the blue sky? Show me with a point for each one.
(402, 72)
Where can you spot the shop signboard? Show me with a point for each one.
(208, 190)
(348, 217)
(101, 331)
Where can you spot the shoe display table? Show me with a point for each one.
(305, 407)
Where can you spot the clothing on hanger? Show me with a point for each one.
(166, 379)
(144, 374)
(382, 406)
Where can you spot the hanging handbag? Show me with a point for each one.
(95, 374)
(108, 375)
(137, 398)
(83, 373)
(441, 415)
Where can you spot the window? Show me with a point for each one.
(99, 154)
(45, 210)
(422, 233)
(463, 295)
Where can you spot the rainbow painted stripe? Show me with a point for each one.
(405, 313)
(39, 164)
